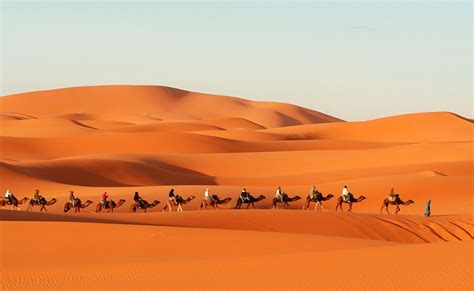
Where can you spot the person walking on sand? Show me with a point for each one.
(428, 208)
(345, 194)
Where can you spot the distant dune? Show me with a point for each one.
(159, 102)
(149, 139)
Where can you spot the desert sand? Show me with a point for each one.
(149, 139)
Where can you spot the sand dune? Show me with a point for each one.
(159, 101)
(123, 139)
(159, 255)
(421, 127)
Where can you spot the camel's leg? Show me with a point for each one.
(350, 207)
(322, 207)
(386, 209)
(397, 209)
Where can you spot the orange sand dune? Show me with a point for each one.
(424, 127)
(44, 128)
(401, 228)
(123, 139)
(162, 256)
(159, 101)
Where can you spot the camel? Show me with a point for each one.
(178, 201)
(318, 198)
(14, 202)
(111, 205)
(286, 199)
(397, 201)
(249, 202)
(41, 202)
(340, 201)
(214, 202)
(144, 206)
(78, 205)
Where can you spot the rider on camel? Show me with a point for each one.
(279, 194)
(104, 199)
(8, 196)
(138, 199)
(345, 194)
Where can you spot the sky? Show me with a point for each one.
(352, 60)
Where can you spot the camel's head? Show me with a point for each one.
(261, 197)
(53, 201)
(156, 202)
(89, 201)
(411, 201)
(330, 196)
(296, 198)
(361, 198)
(191, 197)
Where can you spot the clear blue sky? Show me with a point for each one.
(353, 60)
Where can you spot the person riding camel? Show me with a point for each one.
(104, 199)
(171, 196)
(345, 194)
(312, 192)
(279, 194)
(392, 196)
(8, 196)
(37, 196)
(72, 199)
(138, 199)
(209, 197)
(244, 195)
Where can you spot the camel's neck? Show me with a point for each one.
(404, 202)
(86, 204)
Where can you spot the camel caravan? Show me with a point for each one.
(281, 200)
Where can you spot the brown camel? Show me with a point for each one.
(111, 205)
(286, 199)
(178, 201)
(396, 201)
(318, 198)
(78, 205)
(142, 206)
(214, 202)
(14, 202)
(250, 201)
(41, 202)
(340, 201)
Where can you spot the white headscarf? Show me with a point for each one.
(8, 193)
